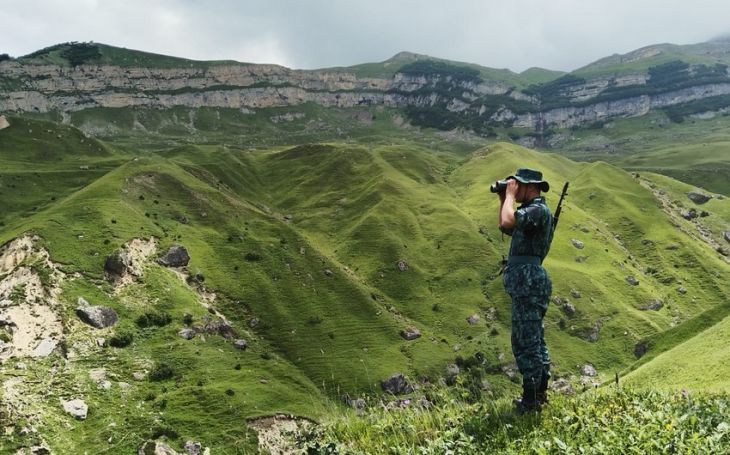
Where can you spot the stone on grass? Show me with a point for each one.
(193, 447)
(97, 316)
(640, 349)
(632, 280)
(575, 293)
(588, 370)
(697, 197)
(653, 305)
(410, 333)
(473, 319)
(562, 386)
(116, 265)
(682, 290)
(577, 243)
(156, 448)
(569, 308)
(187, 333)
(76, 408)
(581, 259)
(240, 344)
(176, 256)
(397, 384)
(689, 214)
(726, 234)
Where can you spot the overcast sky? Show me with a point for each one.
(514, 34)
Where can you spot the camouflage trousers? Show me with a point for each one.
(528, 338)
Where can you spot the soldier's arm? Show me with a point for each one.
(506, 211)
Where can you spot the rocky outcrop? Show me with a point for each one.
(397, 384)
(97, 316)
(76, 408)
(176, 256)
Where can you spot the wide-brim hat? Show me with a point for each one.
(525, 175)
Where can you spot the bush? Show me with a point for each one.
(162, 372)
(153, 320)
(121, 339)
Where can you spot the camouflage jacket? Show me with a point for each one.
(531, 236)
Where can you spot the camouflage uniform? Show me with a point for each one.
(527, 282)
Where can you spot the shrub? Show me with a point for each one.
(121, 339)
(153, 320)
(161, 372)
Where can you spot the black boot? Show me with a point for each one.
(541, 395)
(528, 403)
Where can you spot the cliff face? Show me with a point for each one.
(562, 103)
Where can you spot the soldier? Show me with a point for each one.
(526, 281)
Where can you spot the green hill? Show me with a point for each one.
(318, 255)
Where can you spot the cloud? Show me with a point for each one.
(557, 34)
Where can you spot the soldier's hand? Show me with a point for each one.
(512, 187)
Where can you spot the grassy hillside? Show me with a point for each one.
(319, 255)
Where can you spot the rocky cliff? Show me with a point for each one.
(433, 93)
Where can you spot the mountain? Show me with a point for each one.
(321, 258)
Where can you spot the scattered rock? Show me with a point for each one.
(219, 327)
(697, 197)
(588, 370)
(562, 386)
(704, 214)
(689, 214)
(577, 243)
(357, 403)
(3, 122)
(45, 348)
(328, 272)
(253, 323)
(76, 408)
(726, 235)
(21, 366)
(97, 316)
(569, 309)
(240, 344)
(632, 280)
(156, 448)
(176, 256)
(722, 251)
(581, 259)
(193, 448)
(682, 290)
(402, 265)
(452, 371)
(575, 293)
(653, 305)
(397, 384)
(672, 247)
(511, 371)
(139, 376)
(97, 375)
(116, 265)
(410, 333)
(100, 342)
(187, 333)
(473, 319)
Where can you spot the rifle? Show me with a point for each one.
(560, 204)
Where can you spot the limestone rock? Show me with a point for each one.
(682, 290)
(240, 344)
(588, 370)
(697, 197)
(3, 122)
(562, 386)
(176, 256)
(116, 265)
(97, 316)
(76, 408)
(187, 333)
(397, 384)
(653, 305)
(410, 333)
(156, 448)
(473, 319)
(577, 243)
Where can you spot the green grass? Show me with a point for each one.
(307, 240)
(600, 422)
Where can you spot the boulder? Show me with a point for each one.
(473, 319)
(240, 344)
(3, 122)
(97, 316)
(632, 281)
(410, 333)
(116, 265)
(577, 243)
(682, 290)
(193, 447)
(156, 448)
(187, 333)
(562, 386)
(397, 384)
(697, 197)
(176, 256)
(76, 408)
(653, 305)
(569, 309)
(689, 214)
(219, 327)
(575, 293)
(588, 370)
